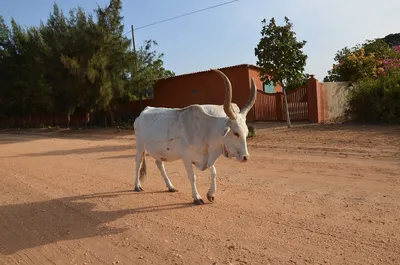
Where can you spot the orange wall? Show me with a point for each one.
(177, 91)
(322, 103)
(256, 75)
(317, 101)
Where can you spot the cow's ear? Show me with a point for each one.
(225, 131)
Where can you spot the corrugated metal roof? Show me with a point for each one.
(227, 67)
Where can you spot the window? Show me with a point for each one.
(268, 87)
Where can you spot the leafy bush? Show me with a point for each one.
(252, 131)
(377, 99)
(356, 65)
(125, 123)
(368, 60)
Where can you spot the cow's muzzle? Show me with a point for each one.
(243, 158)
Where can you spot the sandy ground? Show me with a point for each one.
(316, 194)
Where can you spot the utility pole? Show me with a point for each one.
(136, 63)
(133, 39)
(134, 46)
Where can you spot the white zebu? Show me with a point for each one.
(197, 135)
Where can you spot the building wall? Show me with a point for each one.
(207, 88)
(203, 88)
(256, 75)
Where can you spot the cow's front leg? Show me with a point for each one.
(213, 188)
(192, 178)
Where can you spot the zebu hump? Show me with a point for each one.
(197, 126)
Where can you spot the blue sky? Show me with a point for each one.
(227, 35)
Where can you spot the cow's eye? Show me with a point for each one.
(236, 134)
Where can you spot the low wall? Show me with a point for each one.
(336, 94)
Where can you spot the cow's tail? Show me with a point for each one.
(143, 168)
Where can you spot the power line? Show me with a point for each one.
(190, 13)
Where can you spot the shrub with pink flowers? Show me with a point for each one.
(389, 64)
(377, 98)
(370, 60)
(393, 63)
(375, 69)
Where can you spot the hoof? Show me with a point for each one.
(210, 198)
(139, 188)
(172, 190)
(199, 202)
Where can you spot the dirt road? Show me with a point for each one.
(310, 195)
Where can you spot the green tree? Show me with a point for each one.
(38, 91)
(25, 90)
(378, 47)
(80, 61)
(280, 56)
(145, 74)
(57, 36)
(116, 48)
(298, 83)
(5, 44)
(88, 63)
(392, 39)
(17, 71)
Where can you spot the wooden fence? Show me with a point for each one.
(298, 104)
(266, 108)
(270, 106)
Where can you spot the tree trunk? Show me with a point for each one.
(68, 120)
(141, 104)
(111, 112)
(30, 120)
(87, 118)
(289, 124)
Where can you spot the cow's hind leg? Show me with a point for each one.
(168, 183)
(141, 169)
(213, 188)
(192, 177)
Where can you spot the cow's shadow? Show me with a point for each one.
(33, 224)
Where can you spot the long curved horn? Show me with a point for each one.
(252, 99)
(228, 95)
